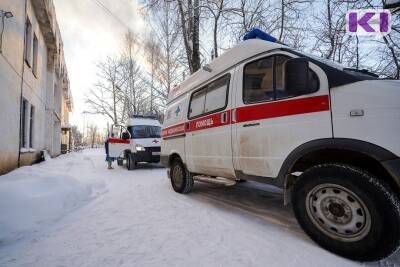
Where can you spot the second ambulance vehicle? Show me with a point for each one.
(328, 136)
(136, 141)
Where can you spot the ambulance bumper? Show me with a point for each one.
(151, 154)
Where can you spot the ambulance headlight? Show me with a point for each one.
(140, 148)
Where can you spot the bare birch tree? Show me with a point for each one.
(135, 89)
(166, 32)
(189, 12)
(106, 97)
(153, 55)
(216, 9)
(247, 15)
(290, 27)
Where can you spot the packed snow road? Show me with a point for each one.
(134, 218)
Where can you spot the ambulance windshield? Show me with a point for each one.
(145, 131)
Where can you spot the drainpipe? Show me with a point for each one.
(22, 86)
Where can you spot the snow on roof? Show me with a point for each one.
(240, 52)
(328, 62)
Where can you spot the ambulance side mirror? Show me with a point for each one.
(297, 76)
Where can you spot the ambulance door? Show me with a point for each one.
(119, 141)
(271, 119)
(208, 131)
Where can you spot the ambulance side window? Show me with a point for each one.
(210, 98)
(216, 94)
(263, 80)
(279, 77)
(197, 103)
(280, 91)
(258, 81)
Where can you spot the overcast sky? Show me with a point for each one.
(90, 33)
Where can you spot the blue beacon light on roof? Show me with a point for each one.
(257, 33)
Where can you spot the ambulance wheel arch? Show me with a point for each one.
(174, 156)
(360, 154)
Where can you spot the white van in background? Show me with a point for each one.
(139, 141)
(146, 132)
(328, 136)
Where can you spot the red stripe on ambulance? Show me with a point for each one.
(173, 130)
(210, 121)
(117, 141)
(282, 108)
(253, 112)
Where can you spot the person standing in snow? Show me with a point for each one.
(108, 158)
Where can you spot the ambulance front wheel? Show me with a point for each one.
(131, 163)
(348, 211)
(181, 180)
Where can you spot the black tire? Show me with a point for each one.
(131, 163)
(120, 162)
(378, 235)
(181, 180)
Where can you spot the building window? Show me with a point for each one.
(35, 55)
(28, 42)
(31, 126)
(24, 114)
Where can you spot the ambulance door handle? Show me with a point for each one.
(224, 117)
(251, 124)
(234, 115)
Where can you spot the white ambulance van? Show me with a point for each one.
(328, 136)
(139, 141)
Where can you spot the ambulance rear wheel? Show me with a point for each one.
(348, 211)
(131, 163)
(181, 180)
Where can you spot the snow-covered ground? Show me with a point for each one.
(90, 216)
(33, 197)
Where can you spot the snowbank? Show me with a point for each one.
(34, 196)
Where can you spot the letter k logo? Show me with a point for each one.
(368, 22)
(363, 21)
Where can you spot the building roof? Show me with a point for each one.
(240, 52)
